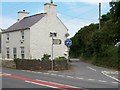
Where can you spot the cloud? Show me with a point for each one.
(6, 22)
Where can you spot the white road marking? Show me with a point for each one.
(23, 70)
(104, 73)
(91, 79)
(33, 72)
(46, 73)
(39, 72)
(79, 78)
(61, 75)
(102, 81)
(40, 84)
(91, 68)
(5, 74)
(53, 71)
(57, 83)
(115, 82)
(53, 74)
(49, 82)
(28, 71)
(69, 76)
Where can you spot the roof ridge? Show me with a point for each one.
(26, 22)
(35, 15)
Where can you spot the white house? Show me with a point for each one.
(30, 36)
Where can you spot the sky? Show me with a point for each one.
(75, 14)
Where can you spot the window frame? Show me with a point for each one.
(14, 52)
(7, 52)
(22, 52)
(53, 34)
(22, 35)
(7, 36)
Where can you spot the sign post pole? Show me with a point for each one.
(68, 43)
(52, 53)
(68, 55)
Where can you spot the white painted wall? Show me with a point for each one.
(37, 40)
(40, 40)
(14, 42)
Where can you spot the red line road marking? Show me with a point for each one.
(45, 83)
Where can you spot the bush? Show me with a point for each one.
(46, 57)
(60, 58)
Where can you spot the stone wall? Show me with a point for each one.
(26, 64)
(8, 63)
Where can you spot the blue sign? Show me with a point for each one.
(68, 42)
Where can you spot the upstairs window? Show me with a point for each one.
(8, 52)
(22, 34)
(14, 52)
(53, 34)
(7, 35)
(22, 53)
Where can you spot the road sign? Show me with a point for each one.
(56, 41)
(68, 42)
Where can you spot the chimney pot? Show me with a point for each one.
(22, 14)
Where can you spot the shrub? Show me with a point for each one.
(46, 57)
(60, 58)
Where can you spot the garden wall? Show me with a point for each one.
(26, 64)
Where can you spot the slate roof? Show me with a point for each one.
(26, 22)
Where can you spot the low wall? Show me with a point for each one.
(26, 64)
(8, 63)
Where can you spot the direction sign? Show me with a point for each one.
(68, 42)
(56, 41)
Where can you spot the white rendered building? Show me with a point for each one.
(30, 37)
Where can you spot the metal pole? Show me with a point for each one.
(52, 53)
(68, 55)
(99, 15)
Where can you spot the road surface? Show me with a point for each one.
(82, 76)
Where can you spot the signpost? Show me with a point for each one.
(68, 43)
(54, 42)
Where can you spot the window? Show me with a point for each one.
(14, 52)
(22, 34)
(22, 53)
(8, 52)
(53, 34)
(7, 36)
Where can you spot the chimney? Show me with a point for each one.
(22, 14)
(50, 9)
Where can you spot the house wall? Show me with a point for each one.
(15, 42)
(40, 40)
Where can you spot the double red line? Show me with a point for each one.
(44, 83)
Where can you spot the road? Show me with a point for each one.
(82, 76)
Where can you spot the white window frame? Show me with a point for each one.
(7, 52)
(22, 52)
(7, 36)
(14, 52)
(22, 35)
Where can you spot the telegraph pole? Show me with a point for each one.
(99, 15)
